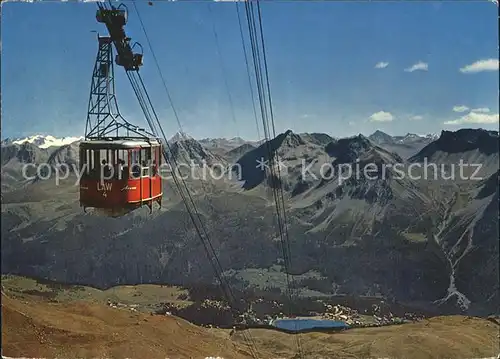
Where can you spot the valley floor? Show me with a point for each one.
(35, 325)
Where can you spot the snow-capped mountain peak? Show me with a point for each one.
(415, 137)
(180, 136)
(47, 141)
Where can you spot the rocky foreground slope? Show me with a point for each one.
(74, 322)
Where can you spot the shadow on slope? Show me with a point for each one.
(247, 167)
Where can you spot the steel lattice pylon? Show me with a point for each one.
(104, 120)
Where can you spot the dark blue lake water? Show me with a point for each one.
(301, 324)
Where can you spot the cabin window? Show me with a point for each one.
(134, 157)
(95, 162)
(140, 162)
(122, 164)
(87, 160)
(145, 157)
(106, 164)
(82, 159)
(87, 163)
(135, 167)
(156, 155)
(156, 160)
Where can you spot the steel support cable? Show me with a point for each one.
(285, 242)
(265, 124)
(223, 68)
(168, 157)
(265, 68)
(159, 125)
(216, 266)
(257, 61)
(267, 121)
(251, 31)
(273, 126)
(260, 89)
(171, 159)
(208, 248)
(168, 95)
(248, 69)
(147, 114)
(266, 127)
(166, 89)
(204, 188)
(142, 101)
(258, 75)
(274, 134)
(158, 68)
(207, 244)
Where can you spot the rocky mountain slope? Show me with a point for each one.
(222, 146)
(190, 151)
(419, 240)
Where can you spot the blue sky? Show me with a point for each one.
(322, 59)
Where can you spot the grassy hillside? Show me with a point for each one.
(42, 319)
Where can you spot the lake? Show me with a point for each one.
(305, 324)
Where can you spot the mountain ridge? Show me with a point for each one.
(403, 230)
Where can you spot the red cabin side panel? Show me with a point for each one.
(119, 193)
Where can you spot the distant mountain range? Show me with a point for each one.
(42, 141)
(222, 145)
(426, 241)
(405, 146)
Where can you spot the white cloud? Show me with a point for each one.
(416, 118)
(381, 65)
(480, 66)
(460, 108)
(422, 66)
(381, 116)
(475, 118)
(481, 109)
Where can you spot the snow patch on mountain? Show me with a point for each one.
(180, 136)
(44, 141)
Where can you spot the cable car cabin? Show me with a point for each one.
(120, 176)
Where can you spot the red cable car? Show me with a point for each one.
(119, 162)
(119, 176)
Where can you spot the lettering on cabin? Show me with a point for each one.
(104, 187)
